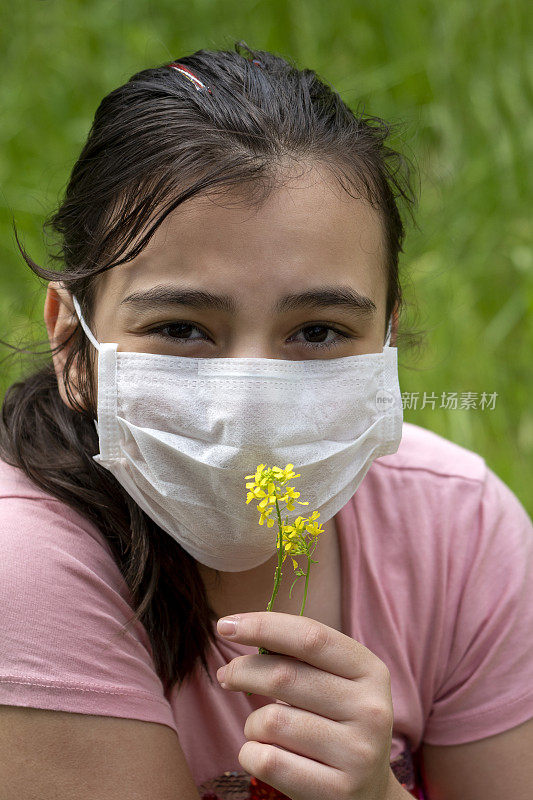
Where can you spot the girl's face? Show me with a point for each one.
(302, 277)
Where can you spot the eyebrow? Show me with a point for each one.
(153, 298)
(321, 297)
(326, 297)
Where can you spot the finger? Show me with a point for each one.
(361, 703)
(298, 684)
(308, 640)
(331, 743)
(298, 777)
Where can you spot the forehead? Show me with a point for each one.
(305, 226)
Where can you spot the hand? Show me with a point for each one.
(333, 739)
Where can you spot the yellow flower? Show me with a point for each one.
(268, 486)
(264, 486)
(314, 529)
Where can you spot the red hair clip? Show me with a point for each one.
(189, 74)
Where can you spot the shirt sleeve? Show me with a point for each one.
(63, 602)
(488, 685)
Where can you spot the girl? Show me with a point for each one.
(229, 297)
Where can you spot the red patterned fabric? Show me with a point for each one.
(233, 785)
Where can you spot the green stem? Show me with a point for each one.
(278, 576)
(279, 573)
(306, 584)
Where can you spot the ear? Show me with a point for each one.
(61, 320)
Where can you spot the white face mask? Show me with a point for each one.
(180, 434)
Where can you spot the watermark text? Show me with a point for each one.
(483, 401)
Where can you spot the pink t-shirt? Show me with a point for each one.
(437, 580)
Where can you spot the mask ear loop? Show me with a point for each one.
(84, 325)
(389, 330)
(107, 363)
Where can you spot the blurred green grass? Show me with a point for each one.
(455, 73)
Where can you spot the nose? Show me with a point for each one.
(251, 351)
(253, 341)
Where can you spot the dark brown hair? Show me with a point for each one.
(155, 142)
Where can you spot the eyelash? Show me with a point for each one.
(312, 345)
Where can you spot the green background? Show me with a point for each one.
(455, 73)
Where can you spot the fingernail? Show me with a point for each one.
(227, 627)
(221, 673)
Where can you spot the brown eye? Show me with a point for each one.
(179, 331)
(317, 333)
